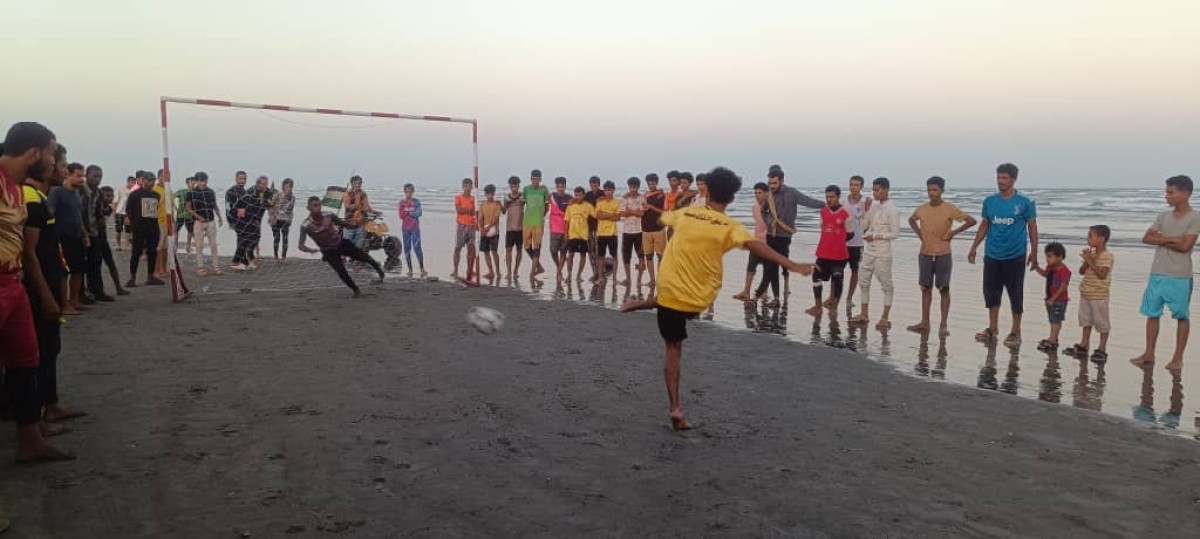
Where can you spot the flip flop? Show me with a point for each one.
(987, 335)
(1099, 356)
(1013, 339)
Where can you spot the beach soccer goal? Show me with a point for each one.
(253, 232)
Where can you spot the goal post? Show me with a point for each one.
(179, 289)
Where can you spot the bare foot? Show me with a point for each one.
(50, 430)
(1144, 359)
(859, 320)
(61, 413)
(943, 331)
(742, 296)
(883, 324)
(923, 327)
(829, 304)
(69, 310)
(43, 453)
(650, 283)
(488, 276)
(624, 283)
(815, 310)
(678, 422)
(639, 305)
(1176, 364)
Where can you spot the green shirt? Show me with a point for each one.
(181, 212)
(536, 199)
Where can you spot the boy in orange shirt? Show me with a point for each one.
(464, 206)
(691, 272)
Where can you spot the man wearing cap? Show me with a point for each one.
(779, 212)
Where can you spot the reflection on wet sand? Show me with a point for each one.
(987, 374)
(1088, 392)
(1144, 411)
(939, 368)
(1050, 388)
(764, 319)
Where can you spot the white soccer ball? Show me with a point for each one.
(485, 320)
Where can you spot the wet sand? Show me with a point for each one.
(309, 413)
(1118, 388)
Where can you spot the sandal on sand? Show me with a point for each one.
(1047, 345)
(1076, 351)
(1099, 356)
(987, 335)
(1014, 339)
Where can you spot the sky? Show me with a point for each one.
(1097, 93)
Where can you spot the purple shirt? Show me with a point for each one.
(410, 214)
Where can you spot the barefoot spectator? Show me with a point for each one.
(882, 227)
(66, 205)
(464, 207)
(934, 224)
(832, 253)
(631, 229)
(1173, 236)
(489, 226)
(1009, 225)
(27, 154)
(514, 220)
(654, 238)
(857, 204)
(559, 200)
(760, 234)
(533, 226)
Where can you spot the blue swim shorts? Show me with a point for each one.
(1174, 293)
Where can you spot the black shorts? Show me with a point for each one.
(489, 244)
(512, 238)
(855, 257)
(934, 271)
(74, 253)
(827, 269)
(629, 244)
(577, 246)
(606, 243)
(672, 324)
(1002, 275)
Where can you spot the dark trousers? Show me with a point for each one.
(144, 241)
(279, 231)
(21, 386)
(348, 249)
(94, 266)
(49, 338)
(783, 246)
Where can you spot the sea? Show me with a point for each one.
(1151, 398)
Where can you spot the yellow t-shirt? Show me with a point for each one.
(576, 217)
(690, 275)
(607, 227)
(162, 204)
(1092, 286)
(489, 215)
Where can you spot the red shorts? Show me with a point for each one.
(20, 350)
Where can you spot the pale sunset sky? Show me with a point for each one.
(1078, 93)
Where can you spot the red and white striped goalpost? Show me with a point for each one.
(179, 289)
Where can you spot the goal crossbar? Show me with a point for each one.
(179, 289)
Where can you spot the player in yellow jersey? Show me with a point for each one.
(691, 271)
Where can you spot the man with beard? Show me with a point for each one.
(779, 212)
(28, 152)
(236, 218)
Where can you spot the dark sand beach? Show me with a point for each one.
(309, 414)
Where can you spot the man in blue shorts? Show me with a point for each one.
(1010, 226)
(1173, 235)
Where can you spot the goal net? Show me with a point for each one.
(250, 151)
